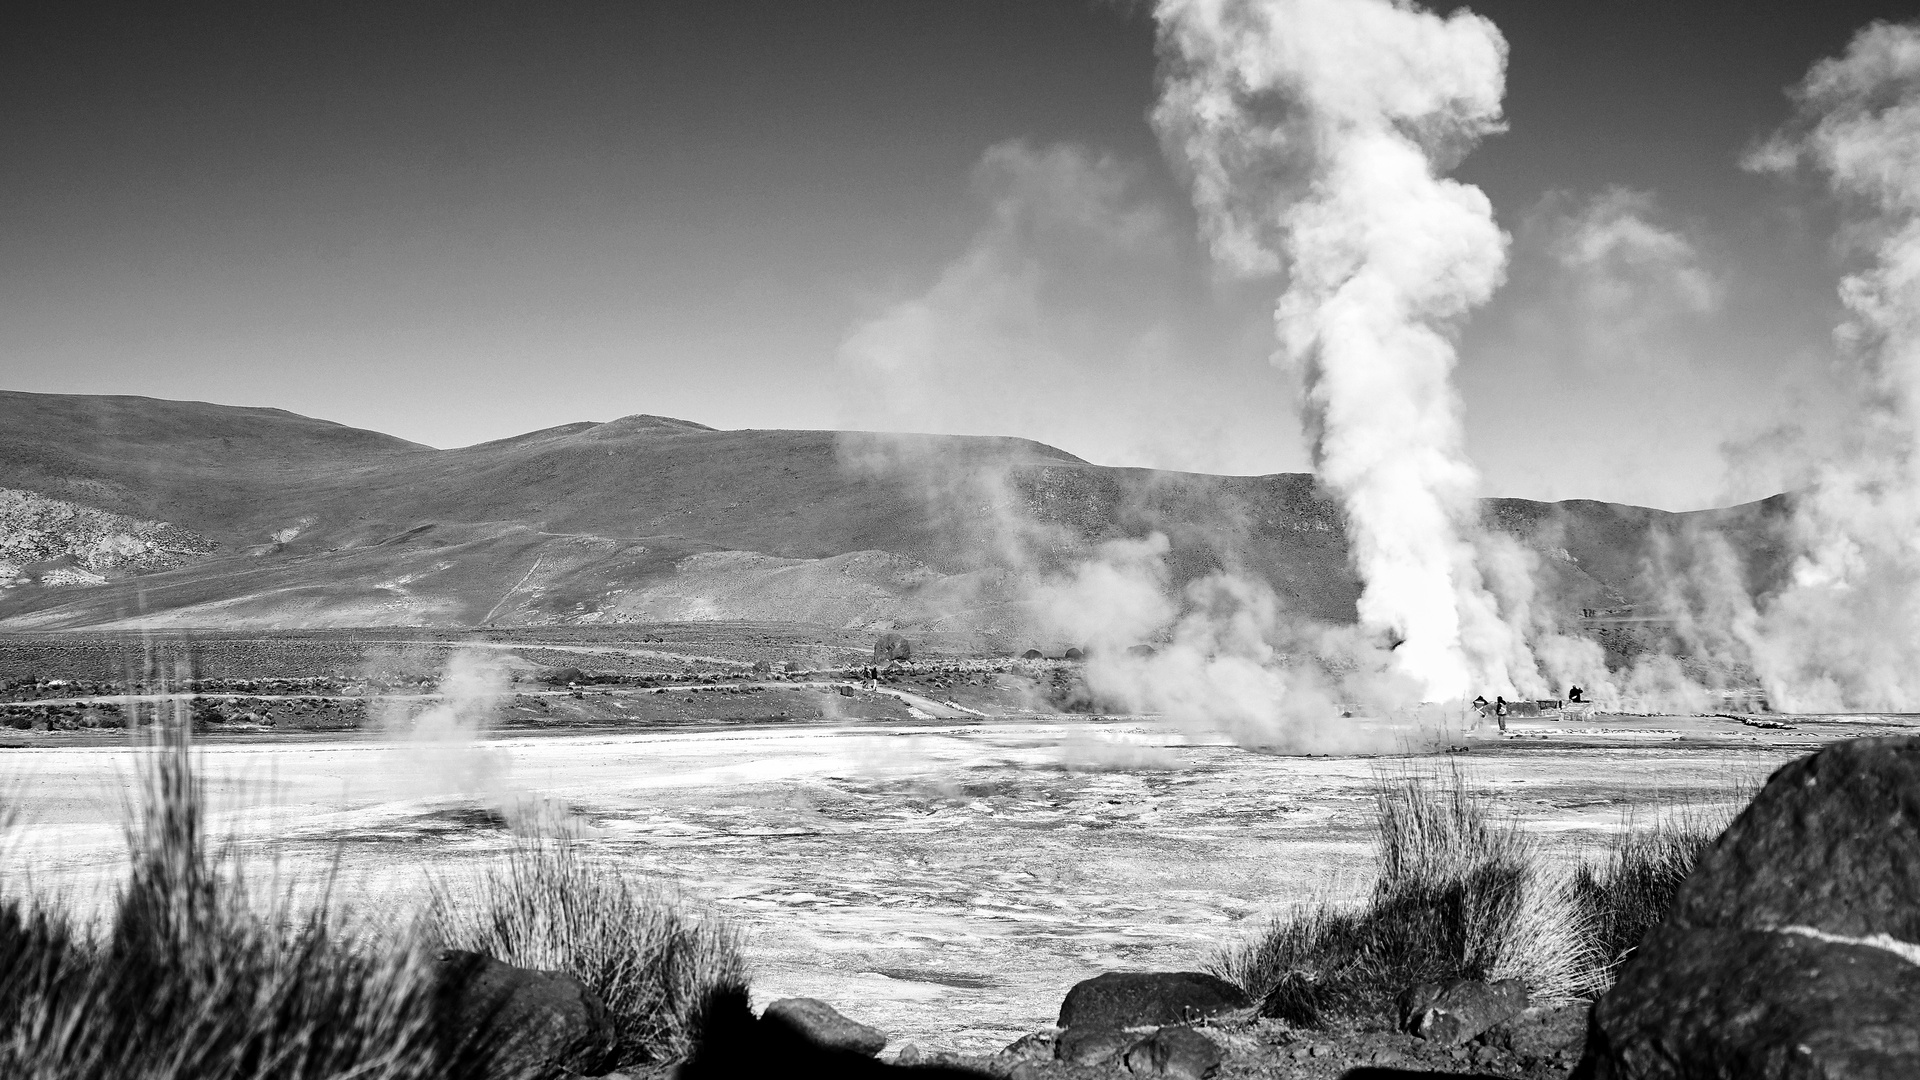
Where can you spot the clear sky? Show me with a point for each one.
(455, 222)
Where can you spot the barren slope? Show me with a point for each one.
(644, 518)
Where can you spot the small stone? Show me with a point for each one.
(908, 1055)
(1092, 1046)
(1026, 1070)
(1454, 1012)
(1035, 1047)
(1177, 1052)
(1319, 1050)
(820, 1024)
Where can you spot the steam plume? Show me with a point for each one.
(1841, 634)
(1313, 133)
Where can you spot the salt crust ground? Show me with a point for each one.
(944, 881)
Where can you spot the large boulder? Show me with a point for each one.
(1790, 949)
(1453, 1012)
(498, 1020)
(822, 1025)
(1123, 999)
(890, 647)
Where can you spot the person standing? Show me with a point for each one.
(1500, 713)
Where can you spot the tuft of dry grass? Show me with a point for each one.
(547, 905)
(198, 976)
(193, 979)
(1634, 885)
(1461, 895)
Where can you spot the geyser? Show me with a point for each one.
(1313, 134)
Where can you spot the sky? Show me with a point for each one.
(456, 222)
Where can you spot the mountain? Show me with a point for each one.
(124, 511)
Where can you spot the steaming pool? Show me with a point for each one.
(946, 882)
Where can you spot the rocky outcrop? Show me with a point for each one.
(55, 542)
(1791, 949)
(1123, 999)
(498, 1020)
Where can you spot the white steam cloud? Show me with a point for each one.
(1841, 634)
(1314, 133)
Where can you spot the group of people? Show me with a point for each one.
(1499, 707)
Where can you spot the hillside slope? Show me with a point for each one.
(296, 522)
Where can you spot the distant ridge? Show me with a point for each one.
(311, 523)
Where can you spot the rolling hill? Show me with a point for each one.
(129, 511)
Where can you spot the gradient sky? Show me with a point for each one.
(455, 222)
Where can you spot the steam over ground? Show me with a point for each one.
(1314, 137)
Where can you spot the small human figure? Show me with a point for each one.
(1576, 695)
(1500, 712)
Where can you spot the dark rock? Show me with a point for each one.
(1178, 1052)
(1087, 1045)
(734, 1044)
(500, 1020)
(890, 647)
(1832, 842)
(1120, 999)
(1787, 951)
(1453, 1012)
(1541, 1033)
(823, 1025)
(1035, 1047)
(1756, 1003)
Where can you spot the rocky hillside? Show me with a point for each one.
(189, 514)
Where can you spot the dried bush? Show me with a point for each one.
(546, 905)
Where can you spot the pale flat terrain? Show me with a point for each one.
(945, 880)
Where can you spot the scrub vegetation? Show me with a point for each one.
(195, 971)
(1464, 893)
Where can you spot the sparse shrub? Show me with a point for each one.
(192, 979)
(1631, 891)
(1460, 895)
(546, 905)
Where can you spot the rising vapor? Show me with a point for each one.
(1841, 634)
(1313, 134)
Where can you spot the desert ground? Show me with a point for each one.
(938, 852)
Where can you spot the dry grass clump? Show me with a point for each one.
(193, 979)
(1634, 885)
(545, 905)
(192, 976)
(1460, 895)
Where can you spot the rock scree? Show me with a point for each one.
(1124, 999)
(1454, 1012)
(500, 1020)
(1790, 950)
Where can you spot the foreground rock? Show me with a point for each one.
(1178, 1052)
(1124, 999)
(1452, 1013)
(1539, 1044)
(1790, 950)
(736, 1044)
(821, 1024)
(499, 1020)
